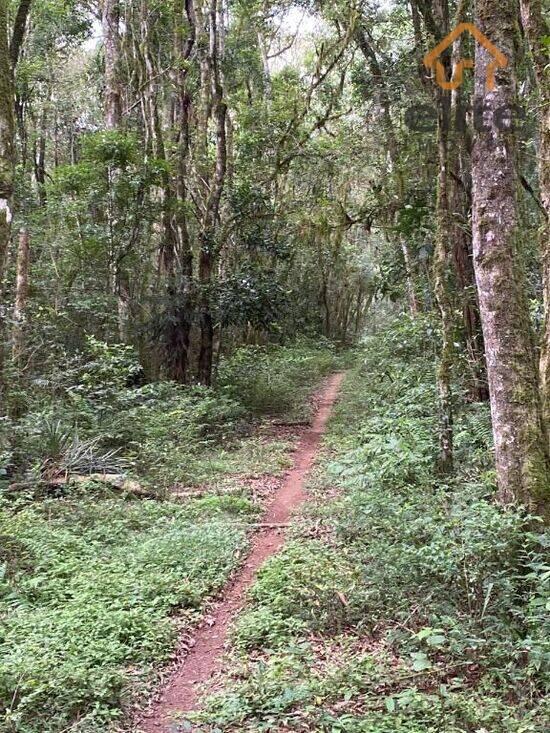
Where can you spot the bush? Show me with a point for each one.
(307, 585)
(274, 379)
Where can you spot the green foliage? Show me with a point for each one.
(93, 587)
(169, 428)
(96, 416)
(275, 379)
(85, 597)
(303, 587)
(423, 607)
(107, 371)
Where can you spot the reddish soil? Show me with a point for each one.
(204, 659)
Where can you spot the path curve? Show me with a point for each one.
(181, 694)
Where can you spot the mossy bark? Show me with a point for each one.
(7, 153)
(442, 263)
(110, 13)
(521, 452)
(442, 274)
(537, 28)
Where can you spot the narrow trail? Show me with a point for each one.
(204, 659)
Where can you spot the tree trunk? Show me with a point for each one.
(537, 29)
(437, 23)
(110, 20)
(40, 158)
(7, 165)
(442, 268)
(521, 452)
(212, 104)
(19, 28)
(414, 308)
(110, 17)
(21, 295)
(461, 239)
(179, 262)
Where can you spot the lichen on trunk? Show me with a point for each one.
(521, 453)
(7, 153)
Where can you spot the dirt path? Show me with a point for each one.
(204, 659)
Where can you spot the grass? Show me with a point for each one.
(402, 603)
(95, 586)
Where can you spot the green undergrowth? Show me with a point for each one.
(96, 416)
(95, 584)
(276, 381)
(401, 603)
(88, 588)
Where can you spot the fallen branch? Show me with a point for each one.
(114, 480)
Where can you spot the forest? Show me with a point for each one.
(274, 366)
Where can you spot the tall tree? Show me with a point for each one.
(443, 254)
(7, 162)
(460, 150)
(523, 470)
(435, 15)
(212, 113)
(537, 30)
(364, 41)
(110, 21)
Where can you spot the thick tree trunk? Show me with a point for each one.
(178, 262)
(19, 29)
(7, 165)
(521, 452)
(537, 29)
(21, 295)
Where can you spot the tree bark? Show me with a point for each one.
(414, 308)
(536, 29)
(442, 270)
(7, 166)
(21, 295)
(213, 104)
(521, 452)
(460, 165)
(40, 158)
(110, 18)
(179, 262)
(110, 21)
(436, 19)
(19, 28)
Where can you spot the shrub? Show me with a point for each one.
(307, 584)
(274, 379)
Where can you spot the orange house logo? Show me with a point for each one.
(431, 59)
